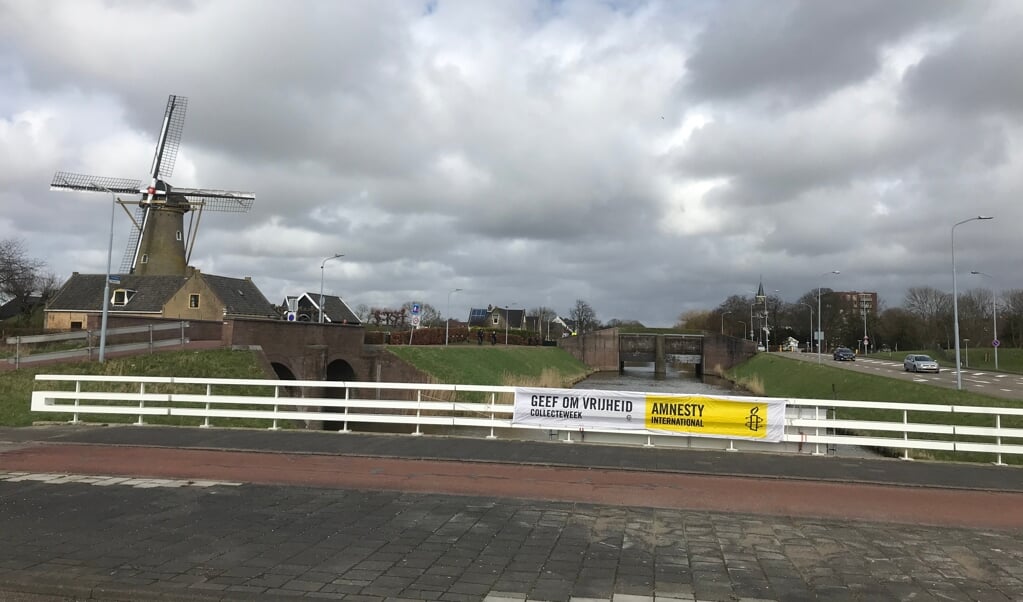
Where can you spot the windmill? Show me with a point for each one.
(158, 243)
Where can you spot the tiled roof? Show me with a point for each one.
(84, 292)
(334, 308)
(481, 317)
(19, 305)
(240, 297)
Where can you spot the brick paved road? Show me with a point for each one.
(89, 536)
(236, 542)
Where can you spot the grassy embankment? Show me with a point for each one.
(774, 375)
(16, 387)
(524, 366)
(496, 365)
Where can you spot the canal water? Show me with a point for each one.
(642, 378)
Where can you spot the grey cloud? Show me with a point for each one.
(799, 50)
(976, 74)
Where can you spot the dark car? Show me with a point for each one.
(844, 354)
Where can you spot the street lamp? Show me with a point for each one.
(507, 318)
(751, 306)
(863, 310)
(955, 298)
(723, 321)
(106, 282)
(447, 311)
(819, 334)
(811, 320)
(994, 317)
(322, 263)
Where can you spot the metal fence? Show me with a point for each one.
(811, 425)
(90, 338)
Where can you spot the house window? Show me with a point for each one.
(76, 325)
(145, 258)
(193, 301)
(177, 235)
(122, 296)
(497, 319)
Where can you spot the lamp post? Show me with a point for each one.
(863, 310)
(994, 317)
(447, 311)
(811, 320)
(751, 306)
(106, 282)
(819, 334)
(955, 298)
(723, 321)
(322, 263)
(507, 319)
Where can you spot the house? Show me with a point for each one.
(306, 308)
(497, 317)
(19, 306)
(194, 296)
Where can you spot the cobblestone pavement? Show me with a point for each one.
(181, 514)
(76, 540)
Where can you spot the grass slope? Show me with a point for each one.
(16, 387)
(774, 375)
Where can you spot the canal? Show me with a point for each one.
(641, 377)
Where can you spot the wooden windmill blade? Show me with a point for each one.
(230, 201)
(170, 139)
(208, 199)
(66, 180)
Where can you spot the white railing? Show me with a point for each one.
(809, 423)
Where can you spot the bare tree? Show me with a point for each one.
(20, 275)
(428, 315)
(584, 316)
(1010, 317)
(695, 319)
(934, 309)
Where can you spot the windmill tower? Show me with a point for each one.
(159, 243)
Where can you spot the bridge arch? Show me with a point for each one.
(339, 370)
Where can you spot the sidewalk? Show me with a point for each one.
(247, 514)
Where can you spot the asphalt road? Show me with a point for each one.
(985, 382)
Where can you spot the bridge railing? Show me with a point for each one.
(811, 425)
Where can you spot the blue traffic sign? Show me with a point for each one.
(995, 343)
(415, 309)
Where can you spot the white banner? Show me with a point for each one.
(757, 418)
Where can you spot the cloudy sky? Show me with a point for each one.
(647, 157)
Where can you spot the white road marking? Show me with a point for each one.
(105, 481)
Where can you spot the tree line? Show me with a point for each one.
(924, 320)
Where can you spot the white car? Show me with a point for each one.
(920, 363)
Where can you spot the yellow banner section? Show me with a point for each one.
(700, 415)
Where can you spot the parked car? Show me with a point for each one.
(920, 363)
(844, 354)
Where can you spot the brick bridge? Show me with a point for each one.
(610, 349)
(337, 352)
(299, 350)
